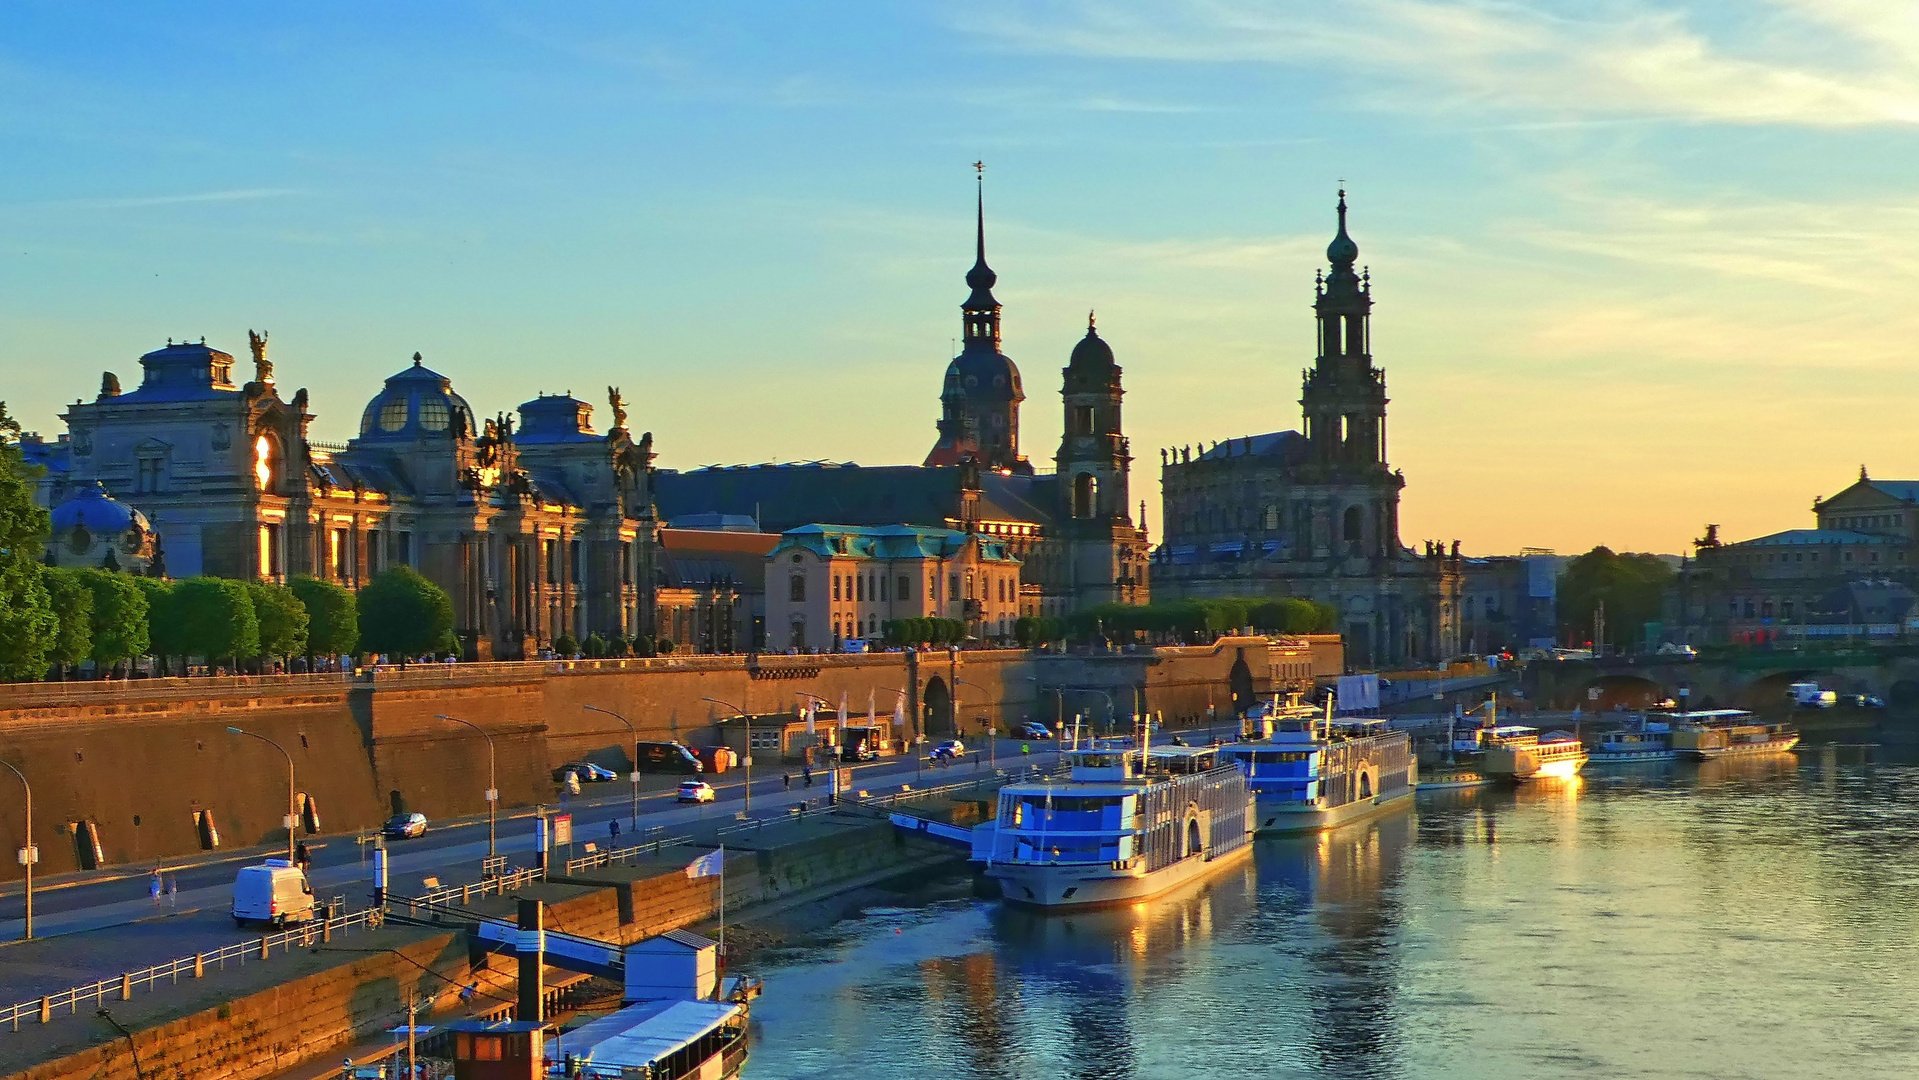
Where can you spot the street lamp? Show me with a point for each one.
(292, 812)
(822, 701)
(492, 788)
(740, 714)
(1112, 710)
(1059, 695)
(635, 775)
(29, 854)
(992, 736)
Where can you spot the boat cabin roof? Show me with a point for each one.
(638, 1036)
(1709, 716)
(1508, 731)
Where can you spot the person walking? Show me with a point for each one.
(786, 781)
(173, 890)
(154, 887)
(613, 832)
(806, 775)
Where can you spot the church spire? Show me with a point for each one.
(980, 313)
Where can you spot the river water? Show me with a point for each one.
(1734, 919)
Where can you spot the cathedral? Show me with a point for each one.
(1072, 529)
(1315, 513)
(534, 532)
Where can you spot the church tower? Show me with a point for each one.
(1343, 398)
(1106, 552)
(979, 403)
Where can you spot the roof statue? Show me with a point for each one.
(109, 384)
(262, 367)
(618, 405)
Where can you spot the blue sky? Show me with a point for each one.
(1639, 265)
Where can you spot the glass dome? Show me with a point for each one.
(418, 401)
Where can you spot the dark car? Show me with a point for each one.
(1033, 729)
(588, 773)
(404, 826)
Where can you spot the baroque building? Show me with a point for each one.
(1315, 513)
(1071, 530)
(534, 534)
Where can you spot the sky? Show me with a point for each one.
(1638, 265)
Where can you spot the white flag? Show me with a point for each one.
(870, 721)
(806, 713)
(842, 710)
(899, 713)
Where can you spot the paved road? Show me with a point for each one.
(451, 854)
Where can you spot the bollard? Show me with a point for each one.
(46, 1010)
(326, 931)
(126, 986)
(199, 965)
(263, 948)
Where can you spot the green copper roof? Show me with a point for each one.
(886, 542)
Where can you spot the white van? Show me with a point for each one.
(274, 892)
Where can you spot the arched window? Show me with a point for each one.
(1354, 525)
(1085, 495)
(796, 589)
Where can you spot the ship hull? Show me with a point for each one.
(1274, 816)
(1057, 887)
(1751, 749)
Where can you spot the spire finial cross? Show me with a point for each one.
(979, 167)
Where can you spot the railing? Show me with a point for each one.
(28, 693)
(651, 846)
(499, 885)
(42, 1009)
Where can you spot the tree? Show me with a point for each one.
(665, 646)
(27, 621)
(1632, 586)
(333, 616)
(564, 645)
(73, 617)
(216, 619)
(120, 618)
(594, 646)
(163, 627)
(282, 619)
(403, 614)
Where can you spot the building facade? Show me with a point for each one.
(1851, 575)
(534, 534)
(826, 584)
(1315, 513)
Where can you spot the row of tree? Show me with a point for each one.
(1186, 619)
(1631, 585)
(596, 647)
(923, 631)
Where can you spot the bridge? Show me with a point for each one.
(1753, 679)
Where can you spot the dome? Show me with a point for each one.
(414, 403)
(94, 510)
(1092, 351)
(1342, 251)
(184, 372)
(554, 418)
(982, 373)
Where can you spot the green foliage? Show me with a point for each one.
(923, 631)
(163, 626)
(27, 621)
(644, 646)
(215, 618)
(1033, 631)
(282, 619)
(1188, 618)
(564, 645)
(120, 628)
(333, 616)
(73, 614)
(1292, 615)
(403, 614)
(594, 646)
(1631, 585)
(665, 645)
(616, 646)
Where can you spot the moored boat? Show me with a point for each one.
(1717, 733)
(1650, 741)
(1127, 824)
(1518, 754)
(1308, 774)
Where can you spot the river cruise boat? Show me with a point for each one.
(1651, 740)
(1517, 754)
(1125, 825)
(1715, 733)
(1308, 773)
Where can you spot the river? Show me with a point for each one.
(1733, 919)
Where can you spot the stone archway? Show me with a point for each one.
(1240, 682)
(937, 701)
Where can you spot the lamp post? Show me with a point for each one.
(29, 854)
(1112, 710)
(292, 813)
(1059, 696)
(635, 775)
(740, 715)
(816, 699)
(492, 788)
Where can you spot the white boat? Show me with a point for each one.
(1517, 754)
(1716, 733)
(1650, 741)
(1126, 825)
(1308, 774)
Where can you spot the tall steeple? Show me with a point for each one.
(980, 398)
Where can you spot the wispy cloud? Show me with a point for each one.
(1820, 63)
(128, 202)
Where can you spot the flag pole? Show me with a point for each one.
(722, 907)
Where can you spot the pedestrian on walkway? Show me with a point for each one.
(613, 832)
(806, 774)
(173, 890)
(154, 887)
(786, 781)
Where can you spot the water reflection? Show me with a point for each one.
(1653, 920)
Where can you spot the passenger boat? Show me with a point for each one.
(1308, 774)
(1715, 733)
(1650, 741)
(1518, 754)
(682, 1019)
(1127, 824)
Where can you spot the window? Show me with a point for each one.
(1785, 609)
(626, 565)
(952, 587)
(1083, 422)
(403, 548)
(1085, 495)
(550, 555)
(836, 590)
(573, 562)
(859, 587)
(372, 551)
(882, 578)
(933, 585)
(148, 482)
(434, 415)
(342, 554)
(264, 463)
(393, 415)
(796, 589)
(905, 590)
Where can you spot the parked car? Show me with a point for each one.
(1673, 648)
(404, 826)
(274, 892)
(588, 772)
(1033, 729)
(1861, 701)
(951, 748)
(697, 791)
